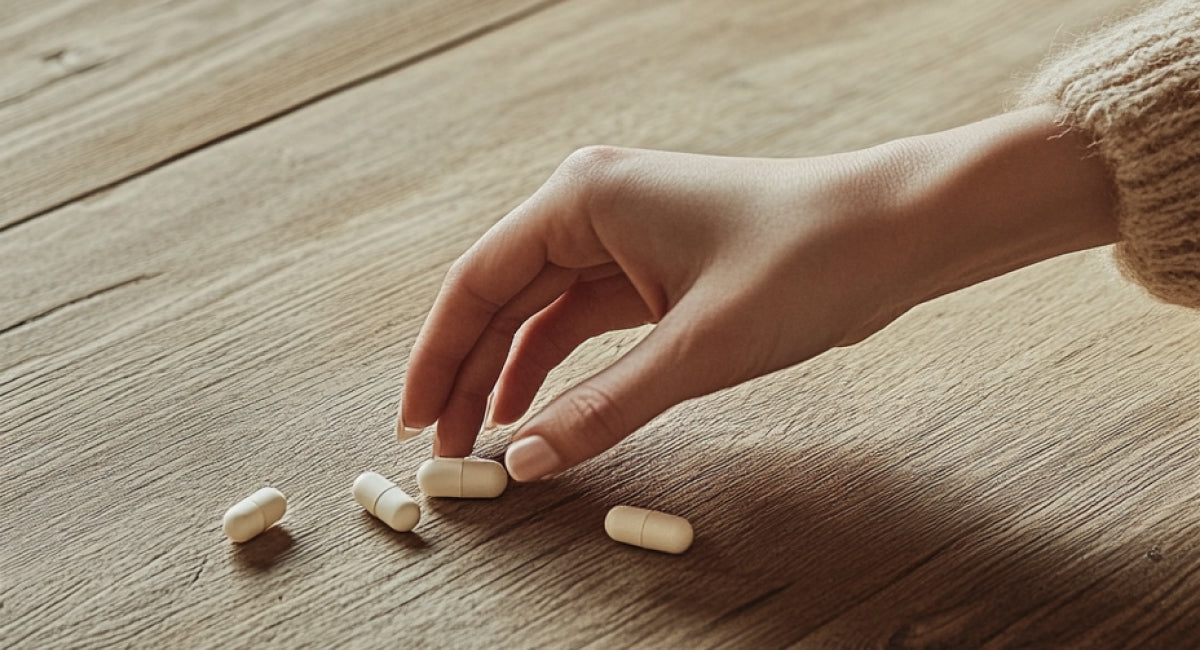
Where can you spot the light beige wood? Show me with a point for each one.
(95, 91)
(1012, 465)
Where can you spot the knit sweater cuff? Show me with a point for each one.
(1134, 88)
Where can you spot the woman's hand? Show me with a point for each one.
(746, 265)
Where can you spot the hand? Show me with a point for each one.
(746, 265)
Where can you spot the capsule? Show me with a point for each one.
(386, 501)
(254, 514)
(650, 529)
(462, 478)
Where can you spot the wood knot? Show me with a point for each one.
(73, 60)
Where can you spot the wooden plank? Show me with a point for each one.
(95, 91)
(1008, 465)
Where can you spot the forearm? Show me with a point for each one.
(978, 201)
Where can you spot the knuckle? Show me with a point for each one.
(593, 160)
(597, 413)
(597, 174)
(457, 286)
(454, 280)
(504, 325)
(453, 273)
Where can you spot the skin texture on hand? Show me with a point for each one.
(746, 266)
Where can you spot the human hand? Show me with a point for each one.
(746, 265)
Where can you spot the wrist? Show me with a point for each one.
(978, 201)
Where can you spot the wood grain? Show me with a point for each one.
(1010, 466)
(95, 91)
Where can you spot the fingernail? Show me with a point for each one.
(404, 432)
(488, 422)
(531, 458)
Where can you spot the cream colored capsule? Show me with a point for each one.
(462, 478)
(386, 501)
(650, 529)
(254, 514)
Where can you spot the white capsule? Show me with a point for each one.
(462, 478)
(650, 529)
(386, 501)
(254, 514)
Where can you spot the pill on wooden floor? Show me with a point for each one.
(386, 501)
(463, 478)
(254, 514)
(650, 529)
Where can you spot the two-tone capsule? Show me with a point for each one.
(254, 514)
(386, 501)
(650, 529)
(462, 478)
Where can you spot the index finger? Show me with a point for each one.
(479, 283)
(496, 269)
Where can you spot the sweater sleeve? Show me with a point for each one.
(1134, 88)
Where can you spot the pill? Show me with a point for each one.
(650, 529)
(386, 501)
(463, 478)
(254, 514)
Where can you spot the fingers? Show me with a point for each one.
(462, 414)
(586, 310)
(463, 342)
(473, 292)
(675, 362)
(499, 267)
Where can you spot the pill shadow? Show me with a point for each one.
(264, 551)
(567, 503)
(410, 541)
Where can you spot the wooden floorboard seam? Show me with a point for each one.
(415, 59)
(74, 301)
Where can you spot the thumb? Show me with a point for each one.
(673, 363)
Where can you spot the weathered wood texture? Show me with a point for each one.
(94, 91)
(1012, 465)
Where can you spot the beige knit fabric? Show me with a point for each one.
(1135, 88)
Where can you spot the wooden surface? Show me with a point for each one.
(221, 224)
